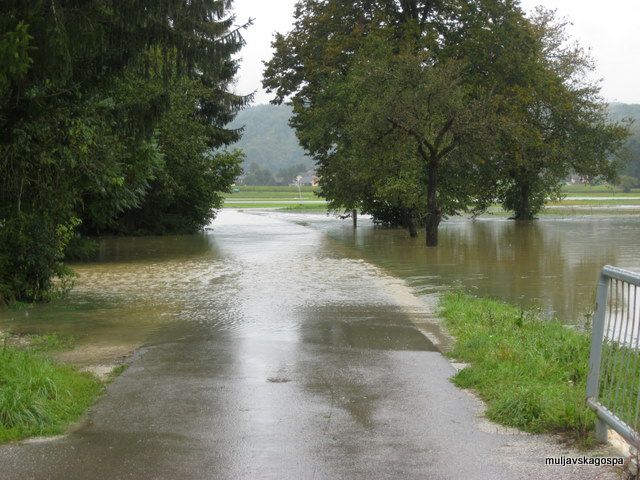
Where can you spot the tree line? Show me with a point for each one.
(630, 172)
(112, 121)
(255, 175)
(419, 109)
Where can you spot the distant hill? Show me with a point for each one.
(271, 143)
(268, 140)
(620, 111)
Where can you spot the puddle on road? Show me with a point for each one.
(379, 328)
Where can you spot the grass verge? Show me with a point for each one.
(37, 396)
(531, 373)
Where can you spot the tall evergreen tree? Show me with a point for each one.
(83, 88)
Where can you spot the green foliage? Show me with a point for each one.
(531, 373)
(31, 253)
(84, 90)
(191, 180)
(38, 397)
(425, 131)
(256, 175)
(517, 117)
(631, 113)
(14, 52)
(310, 65)
(550, 121)
(628, 183)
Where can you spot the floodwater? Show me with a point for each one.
(139, 285)
(551, 264)
(274, 347)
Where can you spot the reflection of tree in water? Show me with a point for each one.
(552, 264)
(123, 249)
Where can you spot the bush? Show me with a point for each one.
(31, 253)
(627, 183)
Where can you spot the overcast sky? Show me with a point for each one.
(611, 29)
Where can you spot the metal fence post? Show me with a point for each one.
(593, 380)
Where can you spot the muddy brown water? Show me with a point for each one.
(551, 264)
(138, 286)
(285, 346)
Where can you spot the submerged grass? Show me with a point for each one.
(531, 373)
(39, 397)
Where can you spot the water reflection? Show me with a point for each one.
(551, 263)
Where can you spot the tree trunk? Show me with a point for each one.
(434, 213)
(354, 216)
(411, 226)
(523, 208)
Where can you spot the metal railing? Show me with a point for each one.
(613, 385)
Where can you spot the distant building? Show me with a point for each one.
(308, 179)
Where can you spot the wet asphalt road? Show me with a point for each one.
(290, 359)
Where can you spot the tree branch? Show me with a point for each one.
(421, 141)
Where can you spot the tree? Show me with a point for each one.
(83, 88)
(550, 121)
(631, 115)
(187, 188)
(56, 132)
(192, 134)
(256, 175)
(310, 66)
(545, 121)
(417, 113)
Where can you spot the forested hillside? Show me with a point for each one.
(620, 111)
(271, 144)
(268, 140)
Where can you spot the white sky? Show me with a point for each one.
(611, 29)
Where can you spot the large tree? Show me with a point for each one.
(546, 122)
(413, 108)
(550, 120)
(310, 67)
(196, 73)
(83, 87)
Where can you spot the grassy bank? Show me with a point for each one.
(37, 396)
(531, 373)
(591, 190)
(599, 201)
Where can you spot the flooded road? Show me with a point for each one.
(273, 350)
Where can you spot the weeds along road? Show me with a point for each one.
(288, 359)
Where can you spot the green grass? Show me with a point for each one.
(570, 202)
(589, 190)
(279, 206)
(274, 193)
(531, 373)
(39, 397)
(267, 188)
(50, 342)
(273, 197)
(117, 371)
